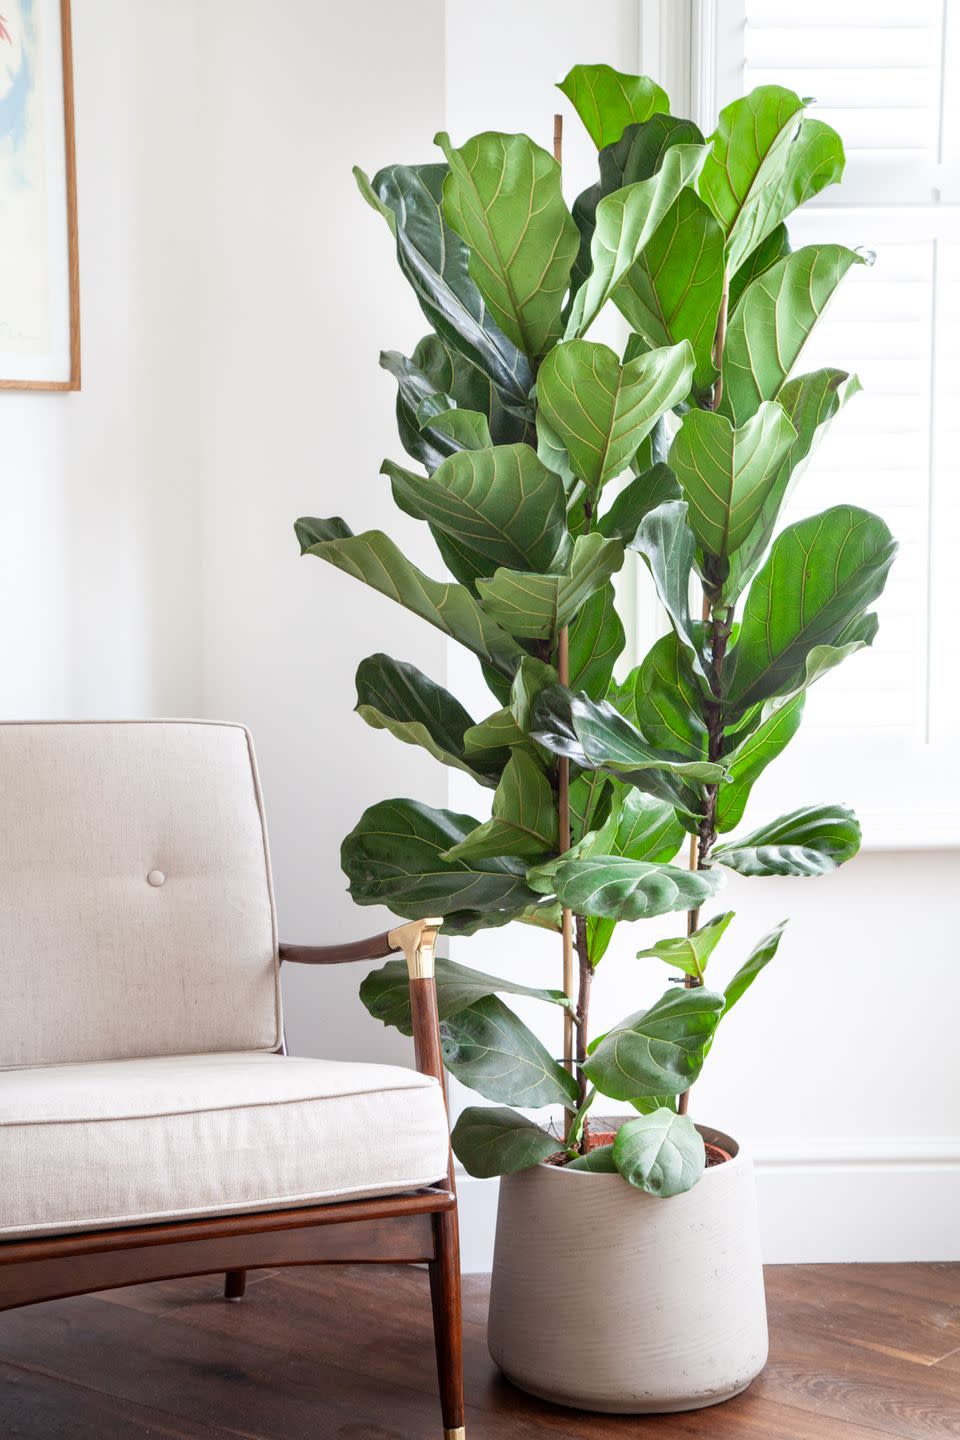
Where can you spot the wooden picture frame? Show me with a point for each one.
(40, 294)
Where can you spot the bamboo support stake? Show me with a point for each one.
(563, 785)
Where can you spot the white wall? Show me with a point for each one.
(235, 293)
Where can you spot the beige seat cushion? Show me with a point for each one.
(123, 1142)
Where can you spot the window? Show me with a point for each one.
(887, 77)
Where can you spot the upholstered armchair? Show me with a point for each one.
(151, 1125)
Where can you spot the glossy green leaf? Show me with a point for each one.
(596, 639)
(661, 697)
(661, 1153)
(638, 497)
(395, 696)
(809, 841)
(598, 1161)
(502, 503)
(393, 855)
(690, 953)
(492, 1140)
(780, 722)
(658, 1051)
(667, 544)
(820, 576)
(771, 249)
(615, 888)
(674, 289)
(601, 410)
(726, 474)
(810, 402)
(489, 743)
(536, 607)
(625, 221)
(503, 198)
(596, 736)
(491, 1051)
(524, 820)
(468, 429)
(374, 558)
(640, 827)
(761, 955)
(637, 155)
(435, 262)
(386, 992)
(647, 1104)
(765, 161)
(607, 100)
(773, 322)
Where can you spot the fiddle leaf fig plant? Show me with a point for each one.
(538, 459)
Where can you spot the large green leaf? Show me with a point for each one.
(773, 322)
(607, 100)
(810, 402)
(536, 607)
(435, 261)
(601, 410)
(489, 743)
(490, 1050)
(638, 497)
(615, 888)
(625, 221)
(726, 474)
(599, 1161)
(674, 289)
(374, 558)
(393, 855)
(820, 576)
(503, 198)
(395, 696)
(690, 953)
(386, 992)
(765, 161)
(657, 1051)
(661, 697)
(502, 503)
(661, 1153)
(637, 155)
(596, 736)
(778, 725)
(595, 638)
(524, 820)
(771, 249)
(668, 546)
(640, 827)
(761, 955)
(492, 1140)
(809, 841)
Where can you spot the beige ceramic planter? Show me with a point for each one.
(605, 1298)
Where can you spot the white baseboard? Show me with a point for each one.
(844, 1201)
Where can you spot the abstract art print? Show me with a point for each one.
(39, 284)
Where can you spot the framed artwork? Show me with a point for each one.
(39, 265)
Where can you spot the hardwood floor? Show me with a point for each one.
(858, 1352)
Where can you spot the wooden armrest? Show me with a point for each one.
(417, 939)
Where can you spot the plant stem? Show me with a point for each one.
(718, 623)
(583, 1015)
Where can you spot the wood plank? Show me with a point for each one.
(35, 1406)
(852, 1303)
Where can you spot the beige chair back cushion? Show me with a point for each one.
(136, 907)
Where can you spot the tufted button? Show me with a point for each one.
(156, 877)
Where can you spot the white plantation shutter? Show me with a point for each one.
(881, 731)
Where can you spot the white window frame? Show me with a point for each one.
(695, 49)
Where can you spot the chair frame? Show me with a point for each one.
(418, 1227)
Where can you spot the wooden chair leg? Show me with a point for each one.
(448, 1322)
(234, 1284)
